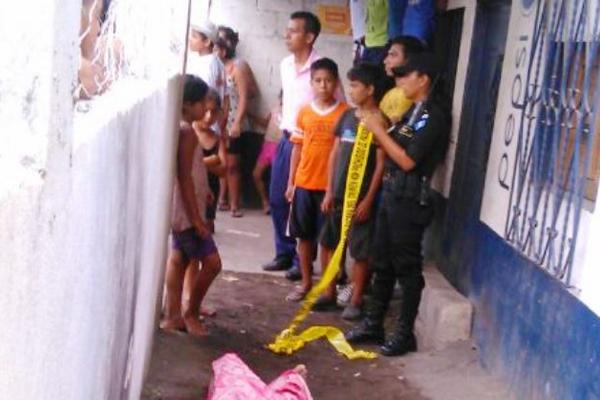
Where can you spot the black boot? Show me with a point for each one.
(367, 331)
(403, 339)
(370, 329)
(399, 344)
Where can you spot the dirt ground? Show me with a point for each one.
(250, 312)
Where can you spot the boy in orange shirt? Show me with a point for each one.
(313, 143)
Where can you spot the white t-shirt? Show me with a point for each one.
(210, 69)
(358, 17)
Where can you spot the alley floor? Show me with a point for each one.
(251, 311)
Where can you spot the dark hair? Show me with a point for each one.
(326, 64)
(311, 22)
(213, 95)
(370, 75)
(194, 89)
(222, 44)
(228, 39)
(410, 44)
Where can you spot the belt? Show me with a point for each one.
(402, 184)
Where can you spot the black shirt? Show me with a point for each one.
(425, 140)
(424, 137)
(346, 131)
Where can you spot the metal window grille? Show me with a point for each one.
(556, 134)
(134, 39)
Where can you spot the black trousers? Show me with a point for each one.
(397, 251)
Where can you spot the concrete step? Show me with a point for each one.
(444, 314)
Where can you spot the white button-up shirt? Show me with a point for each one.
(297, 90)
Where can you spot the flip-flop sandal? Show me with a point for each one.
(237, 214)
(223, 207)
(296, 295)
(207, 312)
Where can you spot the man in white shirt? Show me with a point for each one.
(302, 32)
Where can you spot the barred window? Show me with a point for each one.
(557, 163)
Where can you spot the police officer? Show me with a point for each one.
(413, 148)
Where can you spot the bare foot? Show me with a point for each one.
(301, 370)
(207, 312)
(266, 208)
(195, 327)
(172, 324)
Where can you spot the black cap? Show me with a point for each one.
(425, 63)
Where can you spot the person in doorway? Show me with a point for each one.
(241, 87)
(395, 104)
(269, 147)
(313, 142)
(366, 88)
(192, 243)
(301, 34)
(413, 150)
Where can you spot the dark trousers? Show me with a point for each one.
(373, 55)
(285, 246)
(397, 256)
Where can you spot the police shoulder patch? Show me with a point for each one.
(420, 124)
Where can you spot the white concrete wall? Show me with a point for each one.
(122, 180)
(84, 202)
(262, 24)
(38, 338)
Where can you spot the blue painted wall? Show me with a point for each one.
(528, 327)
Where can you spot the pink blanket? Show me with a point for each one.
(234, 380)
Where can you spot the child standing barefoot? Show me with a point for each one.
(192, 241)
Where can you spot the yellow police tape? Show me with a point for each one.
(288, 341)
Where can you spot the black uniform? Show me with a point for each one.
(404, 213)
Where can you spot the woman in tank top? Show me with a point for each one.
(241, 86)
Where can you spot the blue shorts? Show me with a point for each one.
(193, 246)
(306, 218)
